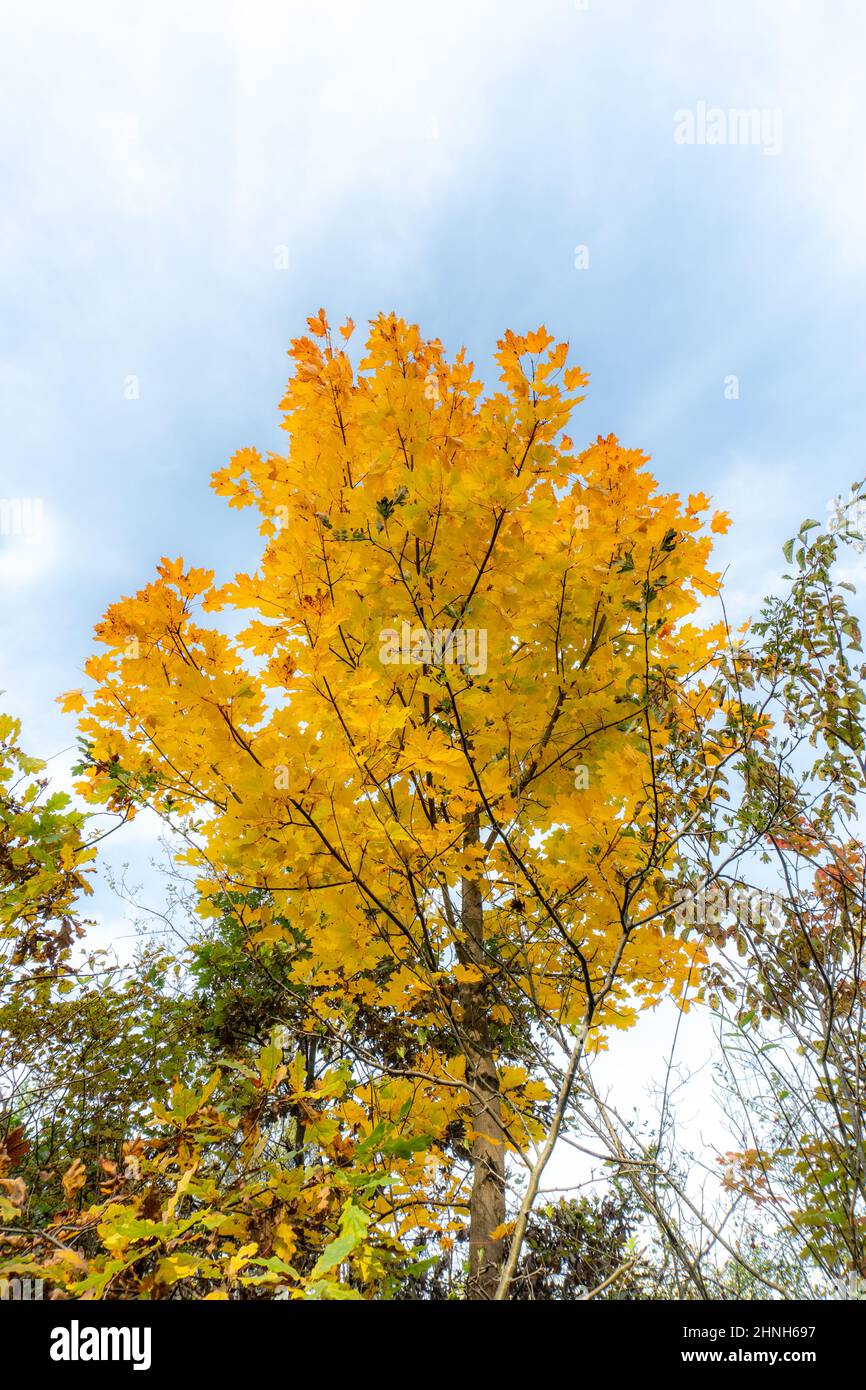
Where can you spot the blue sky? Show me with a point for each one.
(444, 161)
(160, 163)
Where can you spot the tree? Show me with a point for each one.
(575, 1248)
(777, 894)
(44, 861)
(83, 1055)
(793, 998)
(583, 1248)
(449, 761)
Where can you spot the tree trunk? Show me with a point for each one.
(487, 1201)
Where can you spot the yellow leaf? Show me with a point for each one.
(72, 702)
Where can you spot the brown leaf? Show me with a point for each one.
(13, 1148)
(15, 1189)
(73, 1178)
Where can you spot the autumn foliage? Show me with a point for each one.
(462, 867)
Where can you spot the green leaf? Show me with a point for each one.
(334, 1254)
(354, 1222)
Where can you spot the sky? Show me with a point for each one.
(182, 185)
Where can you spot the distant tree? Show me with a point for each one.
(794, 992)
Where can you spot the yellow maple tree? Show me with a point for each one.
(453, 746)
